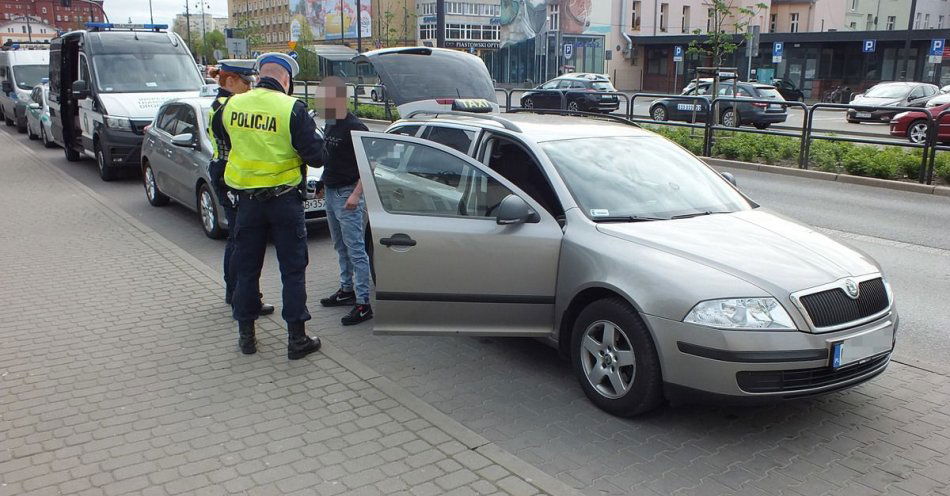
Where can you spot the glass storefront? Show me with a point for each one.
(536, 60)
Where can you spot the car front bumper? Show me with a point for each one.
(873, 116)
(764, 365)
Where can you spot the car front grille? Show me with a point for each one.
(833, 307)
(792, 381)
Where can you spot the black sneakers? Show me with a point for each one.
(339, 299)
(359, 314)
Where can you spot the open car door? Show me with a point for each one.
(452, 253)
(423, 78)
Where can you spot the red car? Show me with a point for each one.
(913, 125)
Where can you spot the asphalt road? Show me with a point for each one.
(905, 232)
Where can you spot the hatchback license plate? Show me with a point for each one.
(863, 115)
(860, 347)
(315, 204)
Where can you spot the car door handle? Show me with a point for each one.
(398, 240)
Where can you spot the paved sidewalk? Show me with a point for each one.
(119, 374)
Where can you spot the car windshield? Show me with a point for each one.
(771, 93)
(28, 76)
(145, 72)
(644, 177)
(887, 91)
(602, 86)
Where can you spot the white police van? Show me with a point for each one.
(106, 84)
(22, 67)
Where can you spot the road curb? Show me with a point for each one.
(927, 189)
(469, 438)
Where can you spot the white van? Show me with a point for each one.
(107, 83)
(20, 71)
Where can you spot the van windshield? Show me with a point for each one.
(145, 72)
(28, 76)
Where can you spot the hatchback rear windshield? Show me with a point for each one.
(602, 86)
(769, 92)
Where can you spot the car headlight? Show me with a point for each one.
(740, 313)
(120, 123)
(900, 116)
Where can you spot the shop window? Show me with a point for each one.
(635, 16)
(657, 60)
(793, 25)
(664, 16)
(684, 26)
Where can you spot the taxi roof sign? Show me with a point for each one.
(476, 105)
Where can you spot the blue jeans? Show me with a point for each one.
(282, 220)
(348, 228)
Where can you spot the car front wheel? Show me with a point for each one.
(528, 103)
(917, 131)
(729, 118)
(573, 106)
(615, 360)
(658, 113)
(209, 213)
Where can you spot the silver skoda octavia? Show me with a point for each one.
(652, 272)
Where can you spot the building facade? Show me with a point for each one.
(265, 22)
(53, 13)
(20, 31)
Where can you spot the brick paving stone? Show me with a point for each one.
(121, 375)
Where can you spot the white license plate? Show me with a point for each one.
(315, 204)
(860, 347)
(775, 106)
(863, 115)
(688, 107)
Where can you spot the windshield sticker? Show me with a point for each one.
(599, 212)
(151, 85)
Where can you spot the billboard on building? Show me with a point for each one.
(525, 19)
(331, 19)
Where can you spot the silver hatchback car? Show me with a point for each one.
(175, 156)
(651, 271)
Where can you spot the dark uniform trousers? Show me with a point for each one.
(216, 170)
(280, 219)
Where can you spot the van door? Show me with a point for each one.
(87, 113)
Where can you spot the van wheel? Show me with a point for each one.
(106, 171)
(71, 154)
(615, 360)
(208, 210)
(154, 195)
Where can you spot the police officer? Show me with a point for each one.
(235, 76)
(273, 138)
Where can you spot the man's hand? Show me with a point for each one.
(353, 200)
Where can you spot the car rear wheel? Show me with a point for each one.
(729, 118)
(209, 213)
(659, 113)
(615, 360)
(154, 195)
(917, 131)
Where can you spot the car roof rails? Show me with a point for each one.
(111, 26)
(575, 113)
(505, 123)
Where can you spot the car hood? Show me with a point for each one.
(139, 105)
(867, 100)
(776, 254)
(422, 74)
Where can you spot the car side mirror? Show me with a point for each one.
(184, 140)
(80, 89)
(514, 210)
(34, 106)
(729, 177)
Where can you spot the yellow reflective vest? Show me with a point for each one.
(262, 155)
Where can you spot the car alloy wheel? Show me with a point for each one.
(917, 132)
(528, 103)
(729, 118)
(373, 95)
(608, 359)
(209, 213)
(45, 138)
(573, 107)
(659, 113)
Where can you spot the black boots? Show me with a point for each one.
(246, 339)
(299, 344)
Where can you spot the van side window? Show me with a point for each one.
(84, 69)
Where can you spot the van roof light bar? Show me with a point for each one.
(505, 123)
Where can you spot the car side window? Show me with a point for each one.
(187, 121)
(458, 139)
(725, 90)
(430, 181)
(563, 84)
(405, 130)
(578, 85)
(550, 85)
(167, 120)
(35, 95)
(516, 164)
(744, 92)
(917, 92)
(702, 89)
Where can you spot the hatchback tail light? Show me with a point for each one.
(760, 105)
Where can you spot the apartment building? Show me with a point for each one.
(22, 31)
(53, 13)
(472, 25)
(267, 20)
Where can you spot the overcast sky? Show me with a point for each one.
(163, 10)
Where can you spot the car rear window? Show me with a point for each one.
(770, 93)
(602, 86)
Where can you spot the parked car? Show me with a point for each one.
(760, 115)
(788, 90)
(892, 94)
(644, 266)
(38, 125)
(175, 156)
(945, 89)
(915, 125)
(581, 92)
